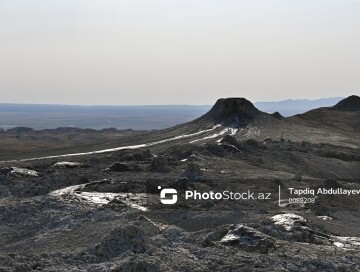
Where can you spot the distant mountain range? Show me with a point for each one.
(295, 106)
(238, 118)
(134, 117)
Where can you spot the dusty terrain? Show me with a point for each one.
(96, 207)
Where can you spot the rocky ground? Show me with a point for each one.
(101, 211)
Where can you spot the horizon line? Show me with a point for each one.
(157, 105)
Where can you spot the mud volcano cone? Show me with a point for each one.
(233, 111)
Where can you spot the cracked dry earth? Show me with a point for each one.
(85, 217)
(101, 211)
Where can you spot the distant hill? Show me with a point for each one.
(134, 117)
(291, 107)
(351, 103)
(97, 117)
(345, 115)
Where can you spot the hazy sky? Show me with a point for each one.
(177, 51)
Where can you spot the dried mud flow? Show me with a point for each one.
(96, 207)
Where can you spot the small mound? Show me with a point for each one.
(159, 164)
(118, 167)
(19, 172)
(351, 103)
(228, 139)
(192, 172)
(4, 192)
(277, 115)
(248, 239)
(331, 184)
(19, 130)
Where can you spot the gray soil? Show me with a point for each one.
(101, 211)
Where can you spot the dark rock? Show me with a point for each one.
(194, 158)
(159, 164)
(228, 139)
(117, 204)
(139, 156)
(147, 155)
(181, 184)
(252, 143)
(298, 177)
(231, 149)
(132, 231)
(5, 170)
(83, 180)
(192, 172)
(152, 187)
(330, 184)
(4, 192)
(213, 149)
(136, 168)
(172, 161)
(130, 237)
(142, 262)
(215, 235)
(180, 151)
(118, 167)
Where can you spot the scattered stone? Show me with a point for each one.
(118, 167)
(21, 172)
(252, 143)
(346, 242)
(159, 164)
(172, 161)
(248, 239)
(181, 184)
(130, 237)
(228, 139)
(215, 235)
(66, 164)
(298, 177)
(139, 156)
(160, 241)
(192, 172)
(132, 231)
(147, 155)
(141, 262)
(324, 217)
(213, 150)
(4, 192)
(288, 220)
(330, 184)
(193, 158)
(5, 170)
